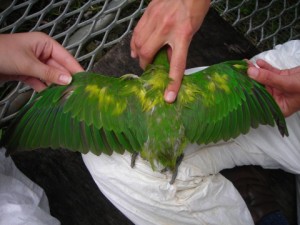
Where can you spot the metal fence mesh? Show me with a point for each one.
(265, 23)
(83, 27)
(87, 28)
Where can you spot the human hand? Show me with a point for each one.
(36, 59)
(284, 85)
(172, 23)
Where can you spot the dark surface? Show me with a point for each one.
(215, 42)
(265, 191)
(73, 196)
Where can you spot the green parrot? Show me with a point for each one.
(104, 114)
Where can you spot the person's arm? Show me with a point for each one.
(284, 85)
(36, 59)
(172, 23)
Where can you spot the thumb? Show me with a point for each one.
(50, 74)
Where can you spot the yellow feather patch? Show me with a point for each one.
(188, 92)
(211, 86)
(106, 101)
(156, 80)
(92, 89)
(221, 82)
(157, 84)
(240, 66)
(149, 103)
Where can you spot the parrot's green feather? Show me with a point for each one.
(97, 140)
(124, 142)
(104, 114)
(75, 135)
(162, 59)
(26, 130)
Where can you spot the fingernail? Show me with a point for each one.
(253, 72)
(133, 55)
(65, 79)
(170, 96)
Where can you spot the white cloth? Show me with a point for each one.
(200, 195)
(21, 201)
(146, 197)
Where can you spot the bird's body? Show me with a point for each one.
(104, 114)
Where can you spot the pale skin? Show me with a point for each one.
(172, 23)
(284, 85)
(36, 59)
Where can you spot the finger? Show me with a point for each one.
(250, 63)
(291, 72)
(264, 65)
(137, 37)
(65, 59)
(283, 83)
(48, 73)
(141, 34)
(44, 48)
(133, 52)
(150, 49)
(295, 70)
(177, 67)
(36, 84)
(52, 63)
(140, 44)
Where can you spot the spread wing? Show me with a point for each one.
(222, 102)
(95, 113)
(104, 114)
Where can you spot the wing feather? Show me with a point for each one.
(57, 125)
(255, 112)
(226, 126)
(225, 102)
(123, 140)
(105, 114)
(98, 143)
(234, 124)
(27, 130)
(113, 142)
(91, 114)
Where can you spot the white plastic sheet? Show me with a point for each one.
(200, 195)
(21, 200)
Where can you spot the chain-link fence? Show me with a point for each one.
(265, 23)
(84, 27)
(87, 28)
